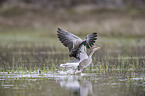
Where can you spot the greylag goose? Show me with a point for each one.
(75, 44)
(77, 66)
(86, 62)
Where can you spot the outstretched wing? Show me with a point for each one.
(68, 39)
(90, 40)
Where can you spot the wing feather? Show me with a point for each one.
(90, 40)
(68, 39)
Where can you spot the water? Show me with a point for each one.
(85, 84)
(34, 71)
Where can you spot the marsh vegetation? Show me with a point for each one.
(32, 62)
(30, 52)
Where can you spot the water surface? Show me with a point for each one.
(85, 84)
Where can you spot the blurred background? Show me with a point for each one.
(28, 28)
(106, 17)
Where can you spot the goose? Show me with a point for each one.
(86, 62)
(75, 62)
(76, 45)
(77, 66)
(77, 49)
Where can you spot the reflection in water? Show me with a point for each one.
(72, 85)
(77, 86)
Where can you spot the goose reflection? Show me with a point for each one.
(77, 86)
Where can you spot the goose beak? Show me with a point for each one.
(98, 47)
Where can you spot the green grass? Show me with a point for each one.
(29, 49)
(25, 53)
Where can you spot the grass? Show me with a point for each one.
(112, 27)
(32, 44)
(44, 22)
(26, 53)
(30, 51)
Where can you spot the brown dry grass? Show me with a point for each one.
(45, 22)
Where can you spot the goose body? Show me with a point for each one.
(77, 49)
(75, 62)
(75, 44)
(86, 62)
